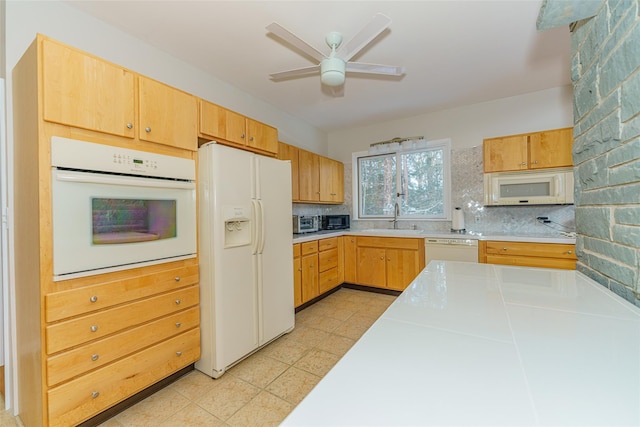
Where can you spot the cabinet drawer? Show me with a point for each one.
(327, 259)
(326, 244)
(86, 396)
(562, 263)
(390, 242)
(94, 355)
(328, 280)
(296, 250)
(308, 248)
(77, 331)
(69, 303)
(545, 250)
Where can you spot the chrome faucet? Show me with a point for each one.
(396, 212)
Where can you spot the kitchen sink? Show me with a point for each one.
(391, 231)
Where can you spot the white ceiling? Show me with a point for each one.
(455, 52)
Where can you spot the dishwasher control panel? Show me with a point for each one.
(461, 242)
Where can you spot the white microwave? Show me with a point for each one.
(549, 187)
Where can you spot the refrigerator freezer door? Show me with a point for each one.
(229, 303)
(273, 191)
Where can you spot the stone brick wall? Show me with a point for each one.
(606, 81)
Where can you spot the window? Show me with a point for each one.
(415, 177)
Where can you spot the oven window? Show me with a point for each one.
(132, 220)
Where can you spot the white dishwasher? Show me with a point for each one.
(444, 249)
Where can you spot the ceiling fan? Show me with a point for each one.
(333, 67)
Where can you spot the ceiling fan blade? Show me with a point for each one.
(370, 31)
(295, 41)
(298, 72)
(361, 67)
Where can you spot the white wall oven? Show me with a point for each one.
(116, 208)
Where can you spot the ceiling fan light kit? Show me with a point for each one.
(333, 67)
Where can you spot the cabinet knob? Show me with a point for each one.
(178, 302)
(504, 249)
(93, 298)
(147, 129)
(95, 394)
(178, 353)
(382, 257)
(250, 138)
(177, 278)
(242, 136)
(94, 357)
(178, 324)
(569, 252)
(129, 125)
(300, 269)
(310, 265)
(94, 328)
(388, 259)
(535, 162)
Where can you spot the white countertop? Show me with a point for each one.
(548, 238)
(481, 344)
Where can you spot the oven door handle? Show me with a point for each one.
(97, 178)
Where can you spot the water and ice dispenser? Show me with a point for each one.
(237, 226)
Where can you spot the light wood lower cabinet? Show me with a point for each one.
(318, 267)
(546, 255)
(388, 262)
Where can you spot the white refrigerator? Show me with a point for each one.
(246, 254)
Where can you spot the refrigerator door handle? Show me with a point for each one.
(262, 227)
(257, 226)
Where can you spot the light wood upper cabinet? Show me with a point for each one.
(167, 115)
(86, 92)
(538, 150)
(217, 122)
(331, 180)
(309, 176)
(289, 152)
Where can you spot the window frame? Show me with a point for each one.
(441, 144)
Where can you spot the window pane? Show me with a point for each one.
(422, 183)
(377, 185)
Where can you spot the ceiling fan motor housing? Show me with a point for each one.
(332, 71)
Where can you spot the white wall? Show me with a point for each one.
(64, 23)
(466, 126)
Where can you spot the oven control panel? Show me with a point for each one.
(90, 156)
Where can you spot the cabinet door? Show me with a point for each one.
(85, 92)
(212, 120)
(309, 176)
(262, 137)
(551, 149)
(167, 115)
(289, 152)
(236, 127)
(350, 259)
(297, 282)
(508, 153)
(402, 268)
(331, 180)
(371, 266)
(309, 277)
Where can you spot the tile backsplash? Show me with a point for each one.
(467, 192)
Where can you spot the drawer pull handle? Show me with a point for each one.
(93, 298)
(94, 357)
(178, 353)
(95, 394)
(177, 278)
(178, 324)
(94, 328)
(178, 302)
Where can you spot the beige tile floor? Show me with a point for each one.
(264, 388)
